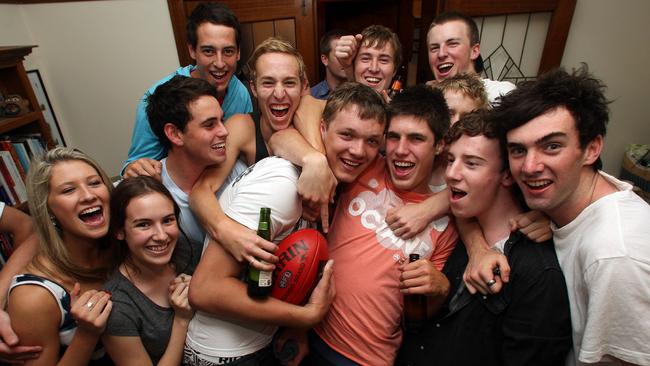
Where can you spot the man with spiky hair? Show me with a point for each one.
(555, 128)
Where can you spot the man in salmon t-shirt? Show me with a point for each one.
(363, 325)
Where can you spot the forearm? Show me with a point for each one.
(307, 121)
(472, 236)
(174, 353)
(80, 350)
(289, 144)
(21, 256)
(228, 298)
(205, 205)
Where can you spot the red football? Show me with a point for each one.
(302, 256)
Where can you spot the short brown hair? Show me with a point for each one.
(370, 105)
(376, 36)
(275, 45)
(467, 84)
(478, 123)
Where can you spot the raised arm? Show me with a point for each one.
(241, 242)
(346, 50)
(216, 289)
(317, 183)
(409, 220)
(307, 121)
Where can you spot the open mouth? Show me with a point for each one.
(445, 68)
(403, 167)
(538, 185)
(372, 80)
(279, 110)
(350, 163)
(158, 249)
(218, 146)
(457, 194)
(218, 75)
(92, 215)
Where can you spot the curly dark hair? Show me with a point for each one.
(579, 92)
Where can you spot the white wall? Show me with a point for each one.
(612, 37)
(97, 58)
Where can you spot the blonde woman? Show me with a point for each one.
(57, 303)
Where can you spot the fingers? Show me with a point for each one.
(144, 166)
(325, 217)
(8, 337)
(384, 95)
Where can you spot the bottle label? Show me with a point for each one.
(265, 279)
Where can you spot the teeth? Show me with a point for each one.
(373, 80)
(538, 183)
(219, 74)
(446, 65)
(351, 163)
(158, 248)
(281, 107)
(403, 164)
(90, 210)
(219, 145)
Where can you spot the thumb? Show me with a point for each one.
(358, 37)
(513, 225)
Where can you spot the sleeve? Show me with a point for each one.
(537, 324)
(2, 208)
(124, 319)
(444, 245)
(144, 143)
(617, 311)
(272, 182)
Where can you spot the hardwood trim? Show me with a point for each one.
(558, 32)
(179, 20)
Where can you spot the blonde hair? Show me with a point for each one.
(468, 84)
(275, 45)
(52, 246)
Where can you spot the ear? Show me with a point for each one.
(593, 150)
(324, 60)
(440, 147)
(475, 51)
(323, 129)
(305, 86)
(253, 90)
(506, 178)
(174, 135)
(192, 52)
(238, 55)
(120, 234)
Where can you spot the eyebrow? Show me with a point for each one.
(468, 157)
(540, 140)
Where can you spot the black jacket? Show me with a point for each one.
(527, 323)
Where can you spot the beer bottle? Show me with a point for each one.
(396, 86)
(415, 307)
(259, 282)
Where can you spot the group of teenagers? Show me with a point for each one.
(529, 254)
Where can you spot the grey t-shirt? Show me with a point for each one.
(135, 315)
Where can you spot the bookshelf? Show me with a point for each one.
(13, 80)
(19, 134)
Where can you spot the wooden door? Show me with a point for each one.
(293, 20)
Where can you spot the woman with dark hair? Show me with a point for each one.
(58, 303)
(151, 311)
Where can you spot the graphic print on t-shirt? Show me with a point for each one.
(370, 209)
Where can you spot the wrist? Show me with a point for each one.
(314, 160)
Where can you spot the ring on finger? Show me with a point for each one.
(491, 282)
(252, 261)
(89, 305)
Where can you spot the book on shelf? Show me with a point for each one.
(14, 175)
(6, 145)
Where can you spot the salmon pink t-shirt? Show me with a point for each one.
(363, 323)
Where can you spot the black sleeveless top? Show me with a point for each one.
(261, 151)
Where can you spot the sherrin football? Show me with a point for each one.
(302, 257)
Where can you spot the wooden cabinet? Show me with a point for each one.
(13, 80)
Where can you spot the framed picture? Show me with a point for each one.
(44, 102)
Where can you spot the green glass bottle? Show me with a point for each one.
(260, 282)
